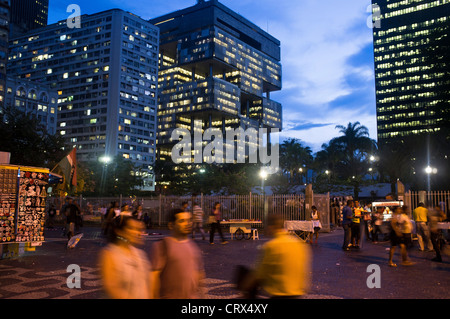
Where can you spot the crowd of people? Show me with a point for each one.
(174, 268)
(399, 228)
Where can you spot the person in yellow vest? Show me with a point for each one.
(420, 216)
(356, 225)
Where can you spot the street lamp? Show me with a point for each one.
(263, 174)
(430, 170)
(105, 160)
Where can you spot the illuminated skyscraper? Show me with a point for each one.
(105, 73)
(4, 31)
(406, 84)
(216, 67)
(28, 15)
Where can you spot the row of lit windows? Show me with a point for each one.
(407, 133)
(135, 131)
(408, 97)
(425, 24)
(87, 138)
(409, 123)
(405, 115)
(395, 89)
(380, 75)
(416, 8)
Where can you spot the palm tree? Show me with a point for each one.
(293, 156)
(353, 150)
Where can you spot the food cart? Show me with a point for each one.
(23, 196)
(388, 209)
(241, 228)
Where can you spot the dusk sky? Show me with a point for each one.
(326, 56)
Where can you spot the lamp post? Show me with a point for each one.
(430, 170)
(263, 174)
(105, 160)
(202, 172)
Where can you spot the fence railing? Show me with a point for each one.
(429, 199)
(251, 206)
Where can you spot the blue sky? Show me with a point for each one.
(326, 55)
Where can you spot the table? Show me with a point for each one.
(240, 227)
(303, 229)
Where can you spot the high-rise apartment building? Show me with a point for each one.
(406, 84)
(106, 74)
(27, 15)
(215, 67)
(4, 35)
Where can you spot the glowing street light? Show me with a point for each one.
(105, 159)
(429, 170)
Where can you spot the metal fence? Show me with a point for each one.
(251, 206)
(429, 199)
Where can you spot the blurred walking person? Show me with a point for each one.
(347, 215)
(400, 235)
(377, 221)
(126, 271)
(72, 213)
(109, 218)
(198, 215)
(436, 216)
(284, 266)
(215, 224)
(177, 261)
(420, 216)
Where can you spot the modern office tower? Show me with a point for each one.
(106, 75)
(27, 15)
(215, 67)
(406, 85)
(33, 98)
(4, 31)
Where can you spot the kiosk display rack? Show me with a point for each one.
(23, 195)
(8, 202)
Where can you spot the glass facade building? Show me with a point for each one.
(406, 85)
(27, 15)
(4, 35)
(216, 67)
(106, 74)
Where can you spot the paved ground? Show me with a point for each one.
(336, 274)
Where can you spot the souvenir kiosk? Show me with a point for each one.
(23, 196)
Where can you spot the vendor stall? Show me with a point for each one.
(23, 195)
(241, 228)
(301, 228)
(388, 208)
